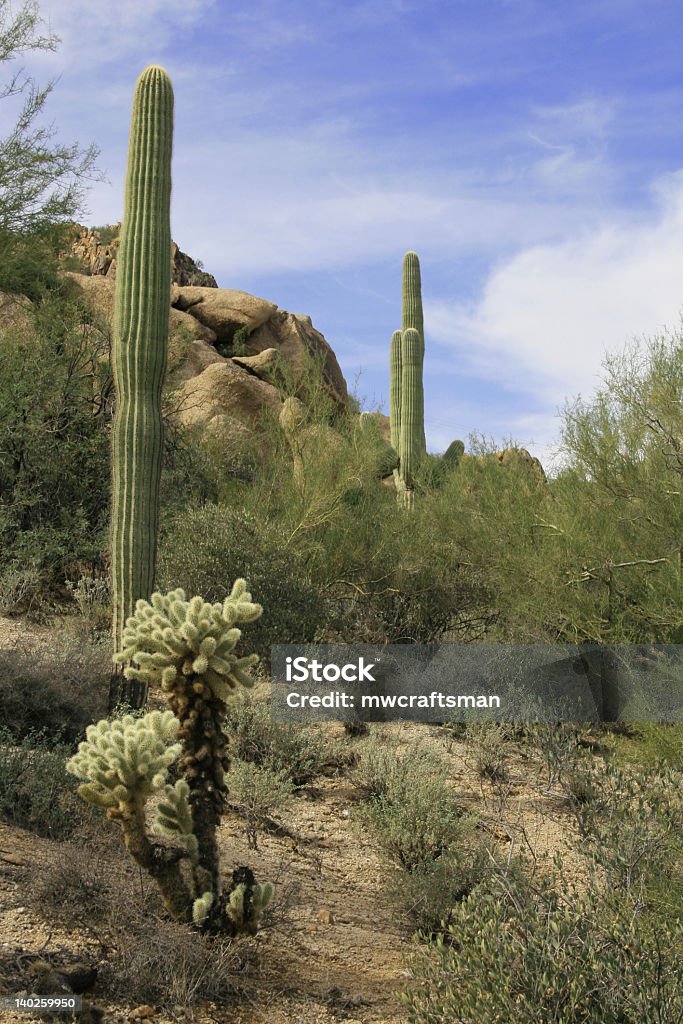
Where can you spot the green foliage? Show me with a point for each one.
(35, 791)
(39, 186)
(56, 690)
(414, 811)
(203, 547)
(258, 792)
(54, 471)
(299, 753)
(140, 342)
(108, 232)
(514, 945)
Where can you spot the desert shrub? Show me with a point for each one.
(204, 549)
(413, 810)
(92, 595)
(257, 793)
(514, 948)
(432, 889)
(170, 965)
(299, 752)
(57, 690)
(35, 791)
(77, 886)
(486, 741)
(54, 463)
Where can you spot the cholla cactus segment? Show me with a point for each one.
(169, 637)
(261, 896)
(125, 758)
(201, 908)
(174, 817)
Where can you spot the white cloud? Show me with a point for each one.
(547, 316)
(92, 34)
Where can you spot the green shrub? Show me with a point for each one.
(56, 690)
(300, 752)
(54, 459)
(204, 549)
(257, 792)
(430, 892)
(517, 951)
(413, 810)
(35, 791)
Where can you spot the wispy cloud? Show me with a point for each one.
(547, 316)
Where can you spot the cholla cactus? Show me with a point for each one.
(187, 647)
(125, 759)
(171, 639)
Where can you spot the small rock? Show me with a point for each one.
(141, 1012)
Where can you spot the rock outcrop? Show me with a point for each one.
(98, 257)
(510, 456)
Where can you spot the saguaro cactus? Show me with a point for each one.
(411, 313)
(406, 388)
(140, 341)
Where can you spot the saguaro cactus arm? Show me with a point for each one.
(395, 390)
(140, 338)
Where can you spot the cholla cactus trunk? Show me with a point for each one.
(203, 765)
(411, 313)
(412, 408)
(143, 287)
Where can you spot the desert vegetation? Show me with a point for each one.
(130, 809)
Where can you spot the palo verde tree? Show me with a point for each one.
(41, 187)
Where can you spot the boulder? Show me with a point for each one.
(224, 311)
(225, 394)
(510, 456)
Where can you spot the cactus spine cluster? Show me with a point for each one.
(140, 341)
(406, 387)
(186, 647)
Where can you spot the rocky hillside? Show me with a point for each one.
(229, 350)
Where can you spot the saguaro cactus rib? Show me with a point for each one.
(143, 288)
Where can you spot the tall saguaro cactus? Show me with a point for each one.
(406, 388)
(411, 311)
(143, 288)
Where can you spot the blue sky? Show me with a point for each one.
(530, 152)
